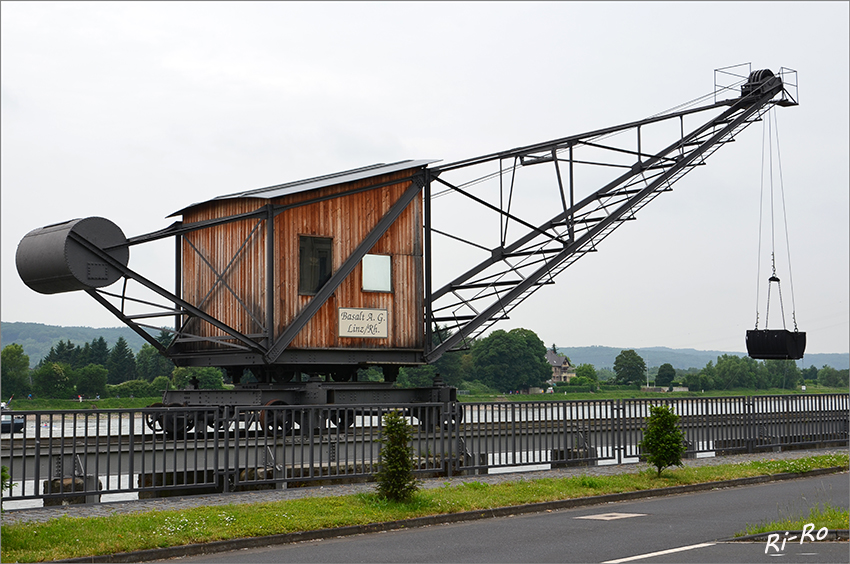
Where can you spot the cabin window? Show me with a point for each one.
(315, 263)
(377, 273)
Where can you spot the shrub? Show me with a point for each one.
(134, 388)
(663, 442)
(395, 478)
(5, 479)
(477, 388)
(208, 378)
(160, 384)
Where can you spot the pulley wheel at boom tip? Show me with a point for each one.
(775, 344)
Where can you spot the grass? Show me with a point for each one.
(833, 518)
(136, 403)
(69, 537)
(637, 394)
(69, 405)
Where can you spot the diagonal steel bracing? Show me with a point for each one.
(474, 300)
(344, 270)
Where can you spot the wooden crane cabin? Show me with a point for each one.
(318, 276)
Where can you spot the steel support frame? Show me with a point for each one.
(614, 203)
(265, 348)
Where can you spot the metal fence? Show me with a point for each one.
(88, 456)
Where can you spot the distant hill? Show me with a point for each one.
(37, 338)
(603, 357)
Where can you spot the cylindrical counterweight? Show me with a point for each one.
(50, 260)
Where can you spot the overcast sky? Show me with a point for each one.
(131, 111)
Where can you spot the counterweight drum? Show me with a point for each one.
(53, 259)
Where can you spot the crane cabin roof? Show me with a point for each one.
(305, 185)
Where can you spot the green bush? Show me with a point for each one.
(663, 442)
(5, 479)
(477, 388)
(160, 384)
(395, 478)
(130, 388)
(208, 378)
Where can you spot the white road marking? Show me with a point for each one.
(660, 553)
(611, 516)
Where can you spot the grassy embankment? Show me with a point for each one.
(67, 405)
(68, 537)
(135, 403)
(637, 394)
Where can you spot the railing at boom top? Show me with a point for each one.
(109, 455)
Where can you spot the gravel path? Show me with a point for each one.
(42, 514)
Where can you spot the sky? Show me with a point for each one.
(133, 110)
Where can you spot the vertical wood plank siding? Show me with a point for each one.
(345, 219)
(236, 253)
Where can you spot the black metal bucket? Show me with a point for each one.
(776, 344)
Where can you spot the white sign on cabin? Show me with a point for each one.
(364, 323)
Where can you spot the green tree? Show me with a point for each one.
(208, 378)
(663, 442)
(706, 377)
(121, 363)
(450, 366)
(91, 380)
(513, 360)
(692, 381)
(14, 371)
(150, 364)
(587, 371)
(371, 374)
(165, 336)
(605, 375)
(810, 373)
(782, 374)
(395, 478)
(161, 384)
(832, 378)
(53, 380)
(666, 375)
(416, 376)
(64, 352)
(83, 356)
(98, 352)
(630, 368)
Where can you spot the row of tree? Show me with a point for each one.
(120, 362)
(95, 369)
(504, 361)
(515, 360)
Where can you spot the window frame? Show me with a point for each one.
(311, 281)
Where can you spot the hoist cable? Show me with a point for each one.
(760, 229)
(770, 130)
(785, 220)
(773, 277)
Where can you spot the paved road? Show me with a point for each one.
(617, 532)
